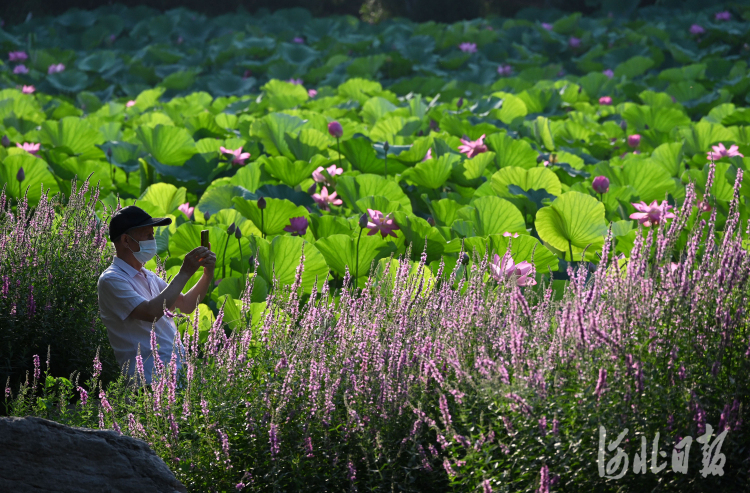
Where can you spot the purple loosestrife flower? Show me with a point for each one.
(653, 214)
(31, 304)
(634, 140)
(335, 129)
(696, 29)
(544, 480)
(605, 100)
(609, 73)
(486, 486)
(574, 42)
(600, 184)
(468, 47)
(298, 40)
(296, 82)
(719, 151)
(504, 70)
(55, 68)
(37, 370)
(547, 26)
(297, 226)
(601, 383)
(97, 366)
(237, 156)
(240, 486)
(17, 56)
(720, 16)
(473, 147)
(273, 439)
(379, 223)
(186, 209)
(324, 200)
(20, 69)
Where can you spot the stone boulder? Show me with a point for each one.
(37, 455)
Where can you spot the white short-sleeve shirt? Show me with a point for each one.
(122, 288)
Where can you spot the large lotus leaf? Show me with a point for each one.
(361, 154)
(325, 226)
(166, 197)
(573, 221)
(472, 169)
(284, 95)
(511, 152)
(340, 252)
(197, 169)
(543, 134)
(410, 155)
(74, 134)
(37, 175)
(225, 217)
(188, 237)
(284, 192)
(420, 234)
(444, 211)
(375, 108)
(432, 173)
(275, 217)
(701, 136)
(203, 125)
(359, 89)
(723, 187)
(524, 248)
(308, 144)
(669, 157)
(493, 215)
(280, 259)
(169, 145)
(71, 81)
(230, 85)
(395, 129)
(97, 172)
(378, 203)
(650, 181)
(290, 173)
(663, 119)
(513, 107)
(527, 179)
(634, 67)
(272, 130)
(351, 189)
(124, 155)
(250, 177)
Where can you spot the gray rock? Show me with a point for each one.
(37, 455)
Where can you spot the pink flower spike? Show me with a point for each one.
(297, 226)
(20, 69)
(473, 148)
(574, 42)
(609, 73)
(547, 26)
(653, 214)
(55, 68)
(311, 93)
(17, 56)
(696, 29)
(28, 89)
(723, 16)
(130, 103)
(605, 100)
(468, 47)
(381, 223)
(719, 151)
(323, 199)
(238, 157)
(186, 209)
(29, 147)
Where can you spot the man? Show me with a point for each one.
(132, 299)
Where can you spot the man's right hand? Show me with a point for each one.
(194, 260)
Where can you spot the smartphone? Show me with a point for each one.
(204, 238)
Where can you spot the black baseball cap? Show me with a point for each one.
(133, 217)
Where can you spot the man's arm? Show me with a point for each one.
(188, 301)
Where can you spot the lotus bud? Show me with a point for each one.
(231, 229)
(634, 140)
(238, 233)
(363, 221)
(206, 215)
(624, 125)
(335, 129)
(460, 103)
(312, 188)
(386, 146)
(5, 141)
(431, 221)
(261, 203)
(600, 184)
(21, 175)
(109, 153)
(465, 258)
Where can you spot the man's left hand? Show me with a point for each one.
(209, 262)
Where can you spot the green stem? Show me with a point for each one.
(356, 266)
(262, 231)
(240, 245)
(338, 148)
(224, 259)
(570, 246)
(386, 163)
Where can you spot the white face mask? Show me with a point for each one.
(147, 251)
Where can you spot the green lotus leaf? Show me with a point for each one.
(340, 252)
(511, 152)
(444, 211)
(280, 259)
(37, 176)
(573, 221)
(309, 143)
(188, 237)
(290, 173)
(71, 81)
(74, 134)
(165, 197)
(524, 248)
(325, 226)
(275, 217)
(432, 173)
(351, 189)
(272, 130)
(493, 215)
(284, 95)
(527, 179)
(424, 238)
(652, 182)
(169, 145)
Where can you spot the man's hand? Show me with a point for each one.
(198, 257)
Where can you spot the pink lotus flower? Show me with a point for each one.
(332, 171)
(723, 16)
(427, 156)
(186, 209)
(28, 89)
(311, 93)
(17, 56)
(547, 26)
(468, 47)
(323, 199)
(508, 234)
(504, 268)
(605, 100)
(20, 69)
(238, 157)
(55, 68)
(696, 29)
(609, 73)
(298, 40)
(574, 42)
(381, 223)
(634, 140)
(335, 129)
(296, 82)
(473, 148)
(653, 214)
(297, 226)
(720, 151)
(130, 103)
(504, 70)
(29, 147)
